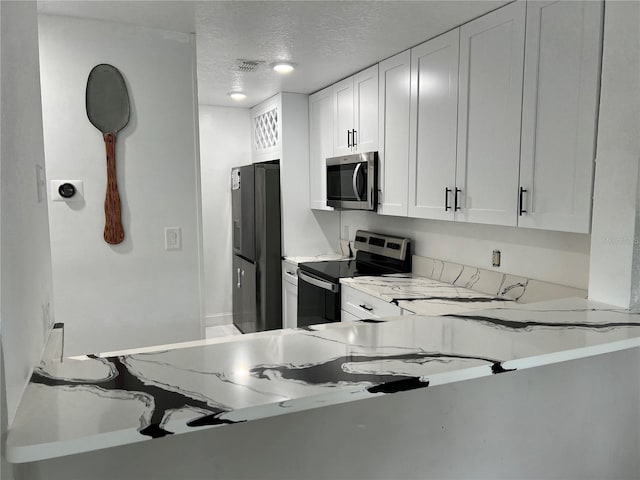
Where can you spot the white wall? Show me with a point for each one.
(26, 259)
(225, 142)
(551, 256)
(615, 256)
(305, 232)
(135, 293)
(572, 420)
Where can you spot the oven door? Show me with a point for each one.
(318, 300)
(351, 182)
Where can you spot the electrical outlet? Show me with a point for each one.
(172, 238)
(495, 258)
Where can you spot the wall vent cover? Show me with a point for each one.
(248, 65)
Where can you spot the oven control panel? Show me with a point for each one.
(386, 245)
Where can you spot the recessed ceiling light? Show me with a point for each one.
(237, 95)
(283, 67)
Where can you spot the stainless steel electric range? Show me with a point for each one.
(319, 282)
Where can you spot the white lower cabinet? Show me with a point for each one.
(357, 305)
(289, 295)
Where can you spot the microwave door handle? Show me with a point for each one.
(316, 282)
(355, 182)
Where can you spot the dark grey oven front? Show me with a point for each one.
(318, 300)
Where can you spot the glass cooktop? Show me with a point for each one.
(334, 270)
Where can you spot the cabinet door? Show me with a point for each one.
(491, 62)
(249, 297)
(266, 130)
(560, 102)
(434, 126)
(365, 110)
(393, 151)
(236, 296)
(244, 295)
(342, 93)
(290, 304)
(320, 147)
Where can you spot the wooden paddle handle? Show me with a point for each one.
(113, 231)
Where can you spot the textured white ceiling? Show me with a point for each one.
(327, 40)
(176, 16)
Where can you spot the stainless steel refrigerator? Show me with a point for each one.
(257, 252)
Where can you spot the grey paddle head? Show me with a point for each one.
(107, 99)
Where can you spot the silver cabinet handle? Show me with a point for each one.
(355, 181)
(317, 282)
(238, 273)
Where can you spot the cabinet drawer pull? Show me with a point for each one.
(366, 307)
(521, 209)
(456, 206)
(447, 191)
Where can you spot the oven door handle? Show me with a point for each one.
(317, 282)
(355, 181)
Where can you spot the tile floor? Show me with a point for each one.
(221, 331)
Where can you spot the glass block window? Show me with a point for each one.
(266, 129)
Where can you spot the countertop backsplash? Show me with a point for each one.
(512, 287)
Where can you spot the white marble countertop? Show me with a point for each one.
(95, 402)
(424, 296)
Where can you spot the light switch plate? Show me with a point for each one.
(56, 197)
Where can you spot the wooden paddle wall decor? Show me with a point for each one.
(107, 102)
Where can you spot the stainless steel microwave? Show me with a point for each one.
(352, 181)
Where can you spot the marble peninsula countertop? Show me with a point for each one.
(424, 296)
(99, 401)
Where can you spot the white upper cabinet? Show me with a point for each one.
(365, 110)
(266, 130)
(434, 126)
(490, 106)
(560, 103)
(393, 151)
(343, 117)
(320, 146)
(355, 113)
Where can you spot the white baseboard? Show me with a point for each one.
(217, 319)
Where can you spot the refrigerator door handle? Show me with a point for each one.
(317, 282)
(239, 284)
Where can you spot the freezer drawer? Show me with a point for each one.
(244, 295)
